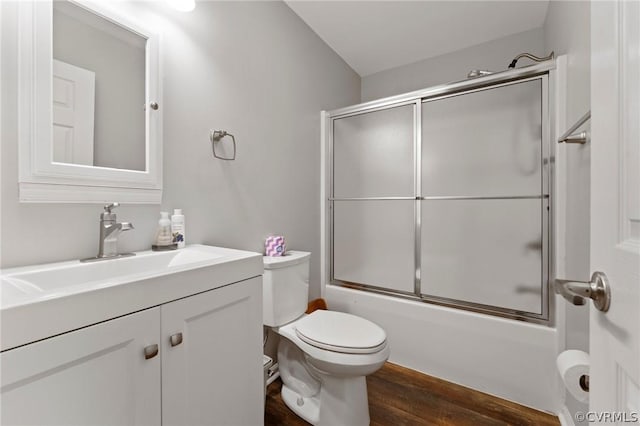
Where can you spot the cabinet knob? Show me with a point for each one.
(154, 106)
(175, 339)
(150, 351)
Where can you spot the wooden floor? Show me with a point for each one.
(400, 396)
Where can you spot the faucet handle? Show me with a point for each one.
(109, 207)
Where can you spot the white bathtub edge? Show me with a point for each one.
(510, 359)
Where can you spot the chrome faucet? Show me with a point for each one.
(109, 231)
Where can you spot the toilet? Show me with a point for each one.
(323, 357)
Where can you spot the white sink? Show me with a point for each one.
(65, 275)
(42, 300)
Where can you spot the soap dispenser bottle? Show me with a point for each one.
(164, 240)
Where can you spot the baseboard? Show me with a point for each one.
(565, 417)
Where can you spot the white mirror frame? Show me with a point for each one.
(41, 179)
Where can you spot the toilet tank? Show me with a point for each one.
(285, 287)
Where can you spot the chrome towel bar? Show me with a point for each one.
(582, 137)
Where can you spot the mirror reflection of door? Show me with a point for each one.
(73, 113)
(111, 120)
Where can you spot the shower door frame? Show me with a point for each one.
(542, 72)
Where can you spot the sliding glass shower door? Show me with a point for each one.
(374, 193)
(446, 199)
(481, 203)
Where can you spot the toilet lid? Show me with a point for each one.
(340, 332)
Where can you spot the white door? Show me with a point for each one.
(97, 375)
(73, 90)
(615, 210)
(212, 370)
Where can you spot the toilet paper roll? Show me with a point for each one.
(573, 364)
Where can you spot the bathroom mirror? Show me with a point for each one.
(102, 64)
(90, 107)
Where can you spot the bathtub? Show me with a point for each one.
(510, 359)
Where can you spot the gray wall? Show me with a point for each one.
(567, 31)
(119, 66)
(252, 68)
(493, 55)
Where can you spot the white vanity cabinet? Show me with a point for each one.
(93, 376)
(215, 375)
(108, 374)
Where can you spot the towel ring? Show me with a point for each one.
(216, 136)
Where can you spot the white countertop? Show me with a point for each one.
(40, 301)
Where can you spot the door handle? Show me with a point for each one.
(576, 292)
(175, 339)
(150, 351)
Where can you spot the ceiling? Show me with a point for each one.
(373, 36)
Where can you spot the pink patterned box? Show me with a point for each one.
(274, 245)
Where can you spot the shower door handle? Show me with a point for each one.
(576, 292)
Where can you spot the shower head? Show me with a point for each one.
(478, 73)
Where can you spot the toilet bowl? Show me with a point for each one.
(323, 357)
(323, 378)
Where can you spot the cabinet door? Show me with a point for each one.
(212, 375)
(94, 376)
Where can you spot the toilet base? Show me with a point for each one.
(341, 401)
(309, 410)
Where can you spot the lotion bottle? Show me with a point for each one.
(177, 228)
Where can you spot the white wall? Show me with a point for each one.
(252, 68)
(567, 31)
(493, 55)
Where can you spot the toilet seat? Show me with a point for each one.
(340, 332)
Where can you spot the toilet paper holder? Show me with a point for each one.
(577, 292)
(573, 367)
(584, 382)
